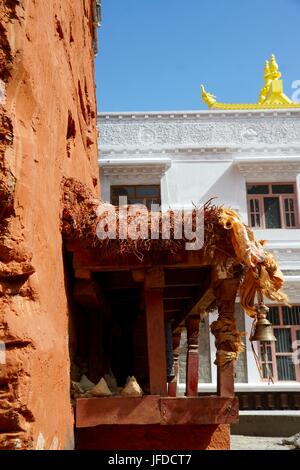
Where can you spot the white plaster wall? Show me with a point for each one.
(200, 169)
(105, 187)
(188, 183)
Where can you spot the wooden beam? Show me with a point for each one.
(97, 258)
(199, 410)
(117, 410)
(150, 410)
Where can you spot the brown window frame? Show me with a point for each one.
(156, 199)
(272, 346)
(281, 197)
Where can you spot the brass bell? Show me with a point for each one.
(263, 328)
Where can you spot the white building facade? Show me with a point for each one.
(248, 160)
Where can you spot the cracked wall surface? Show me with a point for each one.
(47, 132)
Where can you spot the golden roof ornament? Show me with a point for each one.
(274, 72)
(271, 95)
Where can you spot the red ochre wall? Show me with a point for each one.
(155, 437)
(47, 131)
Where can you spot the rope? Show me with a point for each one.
(224, 357)
(228, 340)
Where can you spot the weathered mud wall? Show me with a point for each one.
(47, 131)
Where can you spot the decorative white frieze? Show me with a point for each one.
(217, 129)
(137, 170)
(269, 169)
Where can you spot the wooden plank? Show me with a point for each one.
(199, 410)
(117, 410)
(149, 410)
(156, 342)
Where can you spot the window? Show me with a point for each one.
(272, 205)
(146, 195)
(280, 355)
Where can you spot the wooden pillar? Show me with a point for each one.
(192, 357)
(226, 295)
(172, 386)
(156, 340)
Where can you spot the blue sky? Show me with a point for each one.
(155, 53)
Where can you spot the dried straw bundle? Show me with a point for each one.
(224, 235)
(80, 219)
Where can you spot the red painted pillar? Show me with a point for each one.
(172, 386)
(226, 295)
(156, 339)
(192, 358)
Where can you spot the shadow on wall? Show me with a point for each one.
(229, 189)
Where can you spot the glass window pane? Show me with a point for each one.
(284, 340)
(282, 188)
(117, 191)
(273, 315)
(148, 191)
(265, 371)
(266, 351)
(269, 354)
(151, 201)
(286, 204)
(258, 189)
(293, 220)
(254, 213)
(272, 212)
(291, 316)
(136, 201)
(289, 212)
(285, 368)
